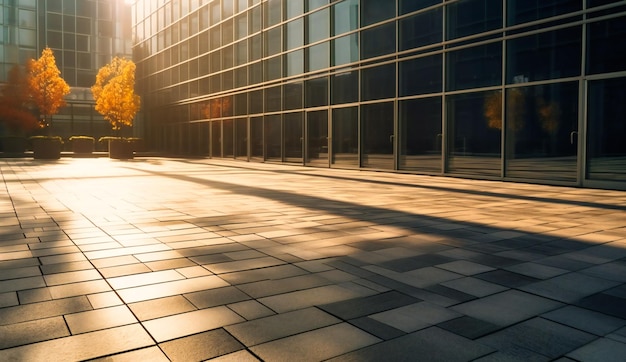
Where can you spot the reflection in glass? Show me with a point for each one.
(318, 26)
(603, 56)
(293, 136)
(373, 11)
(345, 137)
(295, 62)
(378, 135)
(345, 16)
(273, 135)
(346, 49)
(421, 29)
(467, 17)
(316, 92)
(541, 131)
(293, 95)
(421, 75)
(317, 138)
(606, 130)
(345, 87)
(407, 6)
(241, 138)
(256, 138)
(319, 56)
(522, 11)
(294, 34)
(550, 55)
(475, 67)
(420, 134)
(216, 139)
(228, 135)
(473, 145)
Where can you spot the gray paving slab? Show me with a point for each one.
(159, 259)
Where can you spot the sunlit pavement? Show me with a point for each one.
(156, 259)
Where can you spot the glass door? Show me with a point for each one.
(345, 137)
(378, 135)
(606, 133)
(317, 145)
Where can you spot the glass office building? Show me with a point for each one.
(516, 90)
(84, 36)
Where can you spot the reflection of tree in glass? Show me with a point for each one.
(14, 111)
(549, 114)
(493, 110)
(515, 109)
(217, 108)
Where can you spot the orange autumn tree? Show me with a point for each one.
(15, 113)
(45, 86)
(114, 92)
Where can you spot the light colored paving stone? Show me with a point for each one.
(152, 354)
(168, 289)
(310, 297)
(416, 316)
(33, 331)
(99, 319)
(316, 345)
(184, 324)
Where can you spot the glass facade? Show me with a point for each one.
(84, 36)
(499, 89)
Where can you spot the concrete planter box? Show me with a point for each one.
(83, 146)
(121, 149)
(47, 148)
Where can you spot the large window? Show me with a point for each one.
(550, 55)
(468, 17)
(378, 82)
(521, 11)
(421, 75)
(421, 29)
(374, 11)
(377, 135)
(345, 16)
(473, 137)
(474, 67)
(345, 136)
(378, 41)
(603, 53)
(345, 87)
(421, 136)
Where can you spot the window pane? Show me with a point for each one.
(294, 8)
(378, 41)
(345, 16)
(420, 134)
(319, 56)
(273, 99)
(345, 87)
(273, 41)
(273, 68)
(314, 4)
(273, 9)
(295, 62)
(346, 49)
(256, 137)
(273, 136)
(345, 125)
(549, 55)
(421, 29)
(407, 6)
(467, 17)
(522, 11)
(378, 82)
(539, 123)
(316, 92)
(293, 135)
(606, 150)
(373, 11)
(318, 26)
(473, 144)
(294, 34)
(293, 95)
(603, 56)
(378, 135)
(480, 66)
(421, 75)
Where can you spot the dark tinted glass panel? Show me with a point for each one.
(522, 11)
(256, 137)
(273, 136)
(378, 82)
(407, 6)
(345, 87)
(479, 66)
(316, 92)
(603, 55)
(255, 73)
(293, 95)
(555, 54)
(467, 17)
(216, 139)
(256, 102)
(592, 3)
(293, 136)
(317, 138)
(273, 41)
(606, 149)
(378, 41)
(542, 126)
(421, 75)
(345, 140)
(241, 138)
(473, 143)
(273, 99)
(420, 134)
(421, 29)
(241, 104)
(378, 135)
(273, 68)
(373, 11)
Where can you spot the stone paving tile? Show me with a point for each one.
(316, 345)
(569, 287)
(99, 319)
(539, 336)
(156, 308)
(310, 297)
(184, 324)
(585, 320)
(416, 316)
(217, 296)
(600, 350)
(250, 309)
(266, 288)
(201, 346)
(432, 344)
(361, 307)
(270, 328)
(166, 289)
(32, 331)
(82, 346)
(29, 312)
(240, 356)
(152, 354)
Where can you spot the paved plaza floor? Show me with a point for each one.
(158, 259)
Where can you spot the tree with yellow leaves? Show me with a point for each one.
(114, 92)
(45, 86)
